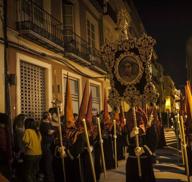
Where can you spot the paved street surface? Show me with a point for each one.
(167, 169)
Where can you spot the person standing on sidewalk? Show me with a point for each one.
(47, 133)
(32, 154)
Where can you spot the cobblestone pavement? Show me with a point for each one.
(168, 167)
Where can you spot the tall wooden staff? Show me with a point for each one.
(115, 141)
(185, 148)
(89, 150)
(137, 149)
(101, 146)
(62, 148)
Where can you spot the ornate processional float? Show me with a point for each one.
(129, 68)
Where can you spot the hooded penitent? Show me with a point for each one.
(83, 107)
(107, 121)
(69, 118)
(89, 112)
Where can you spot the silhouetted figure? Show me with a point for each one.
(47, 133)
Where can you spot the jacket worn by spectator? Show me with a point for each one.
(32, 142)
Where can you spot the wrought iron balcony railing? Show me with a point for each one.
(39, 26)
(32, 17)
(73, 43)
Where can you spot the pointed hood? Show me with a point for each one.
(89, 109)
(69, 118)
(84, 102)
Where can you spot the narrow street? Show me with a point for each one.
(169, 162)
(168, 167)
(78, 76)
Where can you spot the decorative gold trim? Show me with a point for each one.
(108, 55)
(139, 53)
(114, 98)
(132, 95)
(123, 23)
(150, 93)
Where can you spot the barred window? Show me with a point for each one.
(95, 98)
(74, 85)
(32, 80)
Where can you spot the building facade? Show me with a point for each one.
(170, 94)
(50, 39)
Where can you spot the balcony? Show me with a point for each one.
(111, 12)
(37, 25)
(78, 49)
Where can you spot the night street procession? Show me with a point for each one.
(95, 91)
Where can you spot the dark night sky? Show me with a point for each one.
(170, 23)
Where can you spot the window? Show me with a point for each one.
(33, 9)
(74, 84)
(32, 85)
(90, 34)
(95, 98)
(68, 21)
(38, 12)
